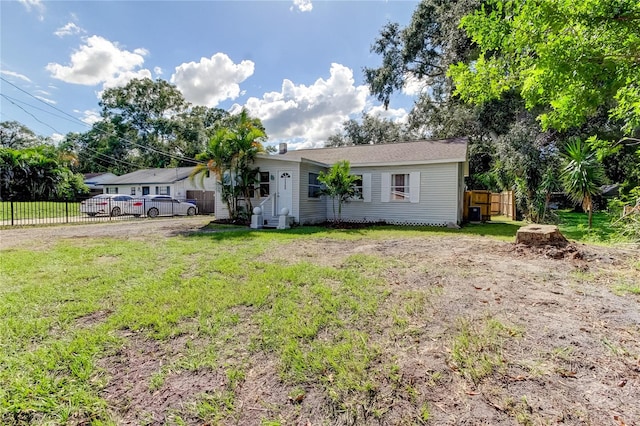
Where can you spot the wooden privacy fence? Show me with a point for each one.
(503, 204)
(481, 205)
(477, 206)
(204, 200)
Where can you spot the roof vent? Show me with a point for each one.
(282, 148)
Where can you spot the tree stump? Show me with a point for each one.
(540, 235)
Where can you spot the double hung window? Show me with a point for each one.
(315, 187)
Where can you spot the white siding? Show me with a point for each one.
(438, 201)
(177, 189)
(461, 187)
(180, 188)
(438, 198)
(273, 166)
(312, 210)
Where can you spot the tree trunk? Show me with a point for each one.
(540, 235)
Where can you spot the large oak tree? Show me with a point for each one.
(569, 57)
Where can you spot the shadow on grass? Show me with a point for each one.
(573, 226)
(502, 230)
(227, 232)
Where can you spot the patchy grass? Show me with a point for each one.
(385, 325)
(306, 315)
(476, 348)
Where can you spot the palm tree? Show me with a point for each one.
(582, 174)
(219, 158)
(339, 184)
(230, 154)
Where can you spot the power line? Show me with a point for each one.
(108, 158)
(39, 109)
(175, 157)
(113, 160)
(27, 112)
(47, 104)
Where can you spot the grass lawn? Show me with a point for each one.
(575, 226)
(38, 209)
(91, 326)
(185, 286)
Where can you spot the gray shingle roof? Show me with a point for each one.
(153, 176)
(423, 151)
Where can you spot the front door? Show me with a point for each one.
(285, 190)
(145, 190)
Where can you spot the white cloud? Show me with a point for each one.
(308, 115)
(98, 61)
(34, 4)
(213, 80)
(16, 75)
(123, 78)
(302, 5)
(399, 115)
(56, 138)
(157, 71)
(69, 29)
(43, 99)
(413, 85)
(89, 116)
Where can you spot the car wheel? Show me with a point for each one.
(191, 211)
(116, 211)
(91, 214)
(153, 212)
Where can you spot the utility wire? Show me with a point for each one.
(40, 109)
(106, 157)
(175, 157)
(113, 160)
(27, 112)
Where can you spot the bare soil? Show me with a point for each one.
(576, 360)
(38, 238)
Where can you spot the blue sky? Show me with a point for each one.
(295, 64)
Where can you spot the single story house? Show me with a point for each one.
(95, 182)
(412, 183)
(168, 181)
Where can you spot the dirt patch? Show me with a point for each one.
(577, 361)
(570, 353)
(141, 392)
(93, 318)
(555, 251)
(40, 238)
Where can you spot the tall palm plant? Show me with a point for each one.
(230, 154)
(218, 157)
(582, 174)
(339, 185)
(246, 144)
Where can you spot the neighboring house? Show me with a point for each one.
(415, 183)
(95, 182)
(171, 181)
